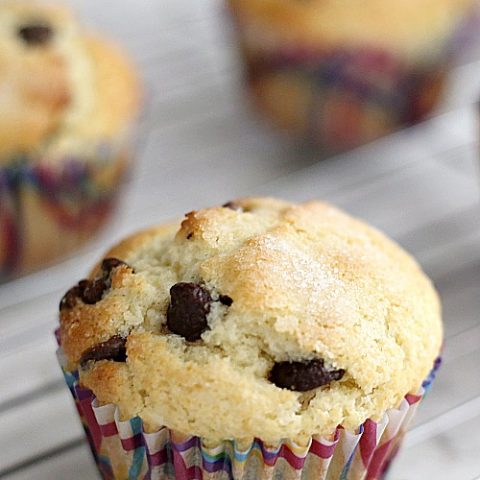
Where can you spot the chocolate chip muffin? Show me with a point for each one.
(342, 73)
(68, 102)
(259, 319)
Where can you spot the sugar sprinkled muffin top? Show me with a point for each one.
(260, 318)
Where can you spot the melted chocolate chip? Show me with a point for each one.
(113, 349)
(188, 310)
(303, 376)
(108, 264)
(232, 206)
(69, 300)
(36, 34)
(91, 291)
(226, 300)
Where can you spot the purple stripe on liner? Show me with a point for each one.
(271, 455)
(218, 466)
(158, 458)
(109, 429)
(132, 443)
(191, 442)
(83, 393)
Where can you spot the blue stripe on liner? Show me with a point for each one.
(139, 454)
(346, 468)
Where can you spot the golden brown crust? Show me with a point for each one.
(406, 26)
(87, 325)
(307, 281)
(118, 384)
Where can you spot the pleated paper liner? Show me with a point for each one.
(51, 206)
(340, 96)
(123, 450)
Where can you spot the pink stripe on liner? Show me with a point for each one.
(132, 443)
(158, 458)
(195, 473)
(412, 399)
(368, 442)
(378, 461)
(322, 450)
(109, 429)
(181, 470)
(292, 459)
(85, 406)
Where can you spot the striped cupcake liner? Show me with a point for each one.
(342, 96)
(74, 194)
(123, 450)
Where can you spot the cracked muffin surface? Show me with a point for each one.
(260, 318)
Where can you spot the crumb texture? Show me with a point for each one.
(279, 282)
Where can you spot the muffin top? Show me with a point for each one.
(61, 88)
(406, 26)
(260, 318)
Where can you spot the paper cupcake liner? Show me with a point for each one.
(123, 450)
(341, 96)
(43, 200)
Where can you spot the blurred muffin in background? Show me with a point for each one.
(68, 104)
(341, 73)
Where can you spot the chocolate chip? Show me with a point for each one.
(232, 206)
(113, 349)
(190, 235)
(91, 291)
(188, 310)
(226, 300)
(35, 34)
(303, 376)
(69, 300)
(108, 265)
